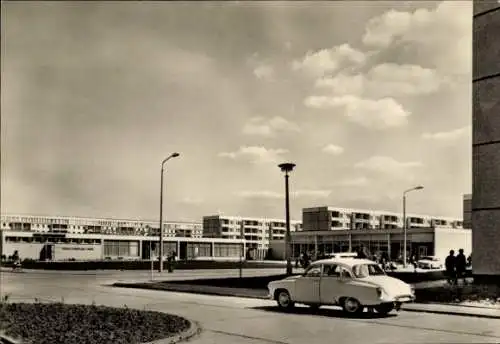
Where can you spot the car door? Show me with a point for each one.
(307, 286)
(330, 284)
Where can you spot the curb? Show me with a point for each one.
(172, 288)
(189, 290)
(193, 330)
(474, 315)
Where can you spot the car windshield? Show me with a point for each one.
(365, 270)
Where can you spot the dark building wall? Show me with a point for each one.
(467, 212)
(486, 139)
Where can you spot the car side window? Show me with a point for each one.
(314, 271)
(331, 270)
(345, 273)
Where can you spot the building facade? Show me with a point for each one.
(83, 225)
(467, 211)
(420, 242)
(257, 232)
(486, 139)
(333, 218)
(65, 246)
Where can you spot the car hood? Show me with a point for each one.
(391, 285)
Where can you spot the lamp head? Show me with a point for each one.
(175, 155)
(286, 167)
(420, 187)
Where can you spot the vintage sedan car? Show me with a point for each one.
(351, 283)
(430, 262)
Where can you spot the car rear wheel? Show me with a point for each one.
(384, 308)
(284, 300)
(352, 306)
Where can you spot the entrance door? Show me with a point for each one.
(183, 250)
(307, 286)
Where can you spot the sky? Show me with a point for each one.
(368, 99)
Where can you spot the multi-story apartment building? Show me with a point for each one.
(333, 218)
(467, 211)
(83, 225)
(256, 231)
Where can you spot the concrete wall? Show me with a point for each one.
(78, 252)
(486, 139)
(277, 249)
(446, 239)
(30, 251)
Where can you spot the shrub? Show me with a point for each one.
(71, 324)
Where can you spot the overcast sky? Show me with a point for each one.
(367, 98)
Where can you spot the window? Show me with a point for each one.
(331, 270)
(365, 270)
(313, 271)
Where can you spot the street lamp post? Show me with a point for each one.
(173, 155)
(287, 167)
(405, 229)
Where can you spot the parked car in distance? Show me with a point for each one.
(430, 262)
(351, 283)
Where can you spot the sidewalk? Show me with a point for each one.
(480, 312)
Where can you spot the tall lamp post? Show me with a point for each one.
(287, 167)
(173, 155)
(405, 229)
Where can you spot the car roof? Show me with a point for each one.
(345, 261)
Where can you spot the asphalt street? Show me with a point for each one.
(228, 320)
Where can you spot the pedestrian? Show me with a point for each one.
(362, 254)
(450, 264)
(461, 264)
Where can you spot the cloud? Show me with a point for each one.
(261, 194)
(266, 194)
(255, 154)
(261, 126)
(333, 149)
(449, 136)
(389, 166)
(358, 181)
(329, 60)
(383, 80)
(377, 114)
(192, 200)
(443, 34)
(264, 72)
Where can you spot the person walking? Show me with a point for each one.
(460, 265)
(450, 265)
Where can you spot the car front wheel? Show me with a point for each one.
(284, 300)
(384, 308)
(352, 306)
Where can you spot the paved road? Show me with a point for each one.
(228, 320)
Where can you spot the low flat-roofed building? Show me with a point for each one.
(57, 246)
(420, 242)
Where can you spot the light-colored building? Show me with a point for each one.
(257, 232)
(467, 211)
(87, 225)
(334, 218)
(420, 242)
(486, 140)
(57, 246)
(78, 238)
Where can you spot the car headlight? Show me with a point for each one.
(412, 289)
(380, 292)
